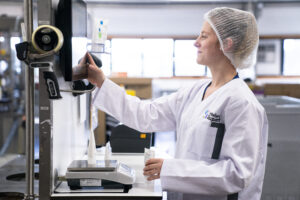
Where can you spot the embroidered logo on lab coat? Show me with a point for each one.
(213, 117)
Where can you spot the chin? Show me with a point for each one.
(200, 62)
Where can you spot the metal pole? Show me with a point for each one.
(29, 89)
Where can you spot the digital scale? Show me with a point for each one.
(105, 175)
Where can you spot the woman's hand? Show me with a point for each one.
(95, 74)
(153, 168)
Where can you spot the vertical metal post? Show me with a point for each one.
(46, 182)
(29, 89)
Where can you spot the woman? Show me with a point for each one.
(221, 128)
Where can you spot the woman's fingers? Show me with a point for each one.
(151, 178)
(153, 161)
(83, 59)
(95, 75)
(93, 67)
(152, 168)
(151, 171)
(152, 174)
(90, 59)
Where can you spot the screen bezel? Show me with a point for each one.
(64, 21)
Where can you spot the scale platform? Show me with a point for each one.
(100, 166)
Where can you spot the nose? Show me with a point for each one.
(197, 42)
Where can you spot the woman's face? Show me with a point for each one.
(208, 47)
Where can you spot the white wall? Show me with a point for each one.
(70, 130)
(280, 19)
(176, 20)
(144, 20)
(186, 20)
(11, 9)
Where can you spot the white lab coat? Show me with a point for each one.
(193, 173)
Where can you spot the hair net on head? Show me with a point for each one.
(239, 26)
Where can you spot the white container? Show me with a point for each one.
(99, 35)
(92, 149)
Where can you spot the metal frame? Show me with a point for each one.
(173, 1)
(150, 2)
(29, 90)
(44, 8)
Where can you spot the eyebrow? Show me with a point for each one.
(204, 32)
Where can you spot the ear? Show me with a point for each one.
(228, 44)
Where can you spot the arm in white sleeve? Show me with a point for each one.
(238, 159)
(142, 115)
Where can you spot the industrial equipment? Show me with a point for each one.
(124, 139)
(46, 40)
(283, 161)
(105, 175)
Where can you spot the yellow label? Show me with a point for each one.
(143, 136)
(131, 92)
(2, 52)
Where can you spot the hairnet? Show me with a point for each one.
(241, 27)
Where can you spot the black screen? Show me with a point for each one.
(71, 19)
